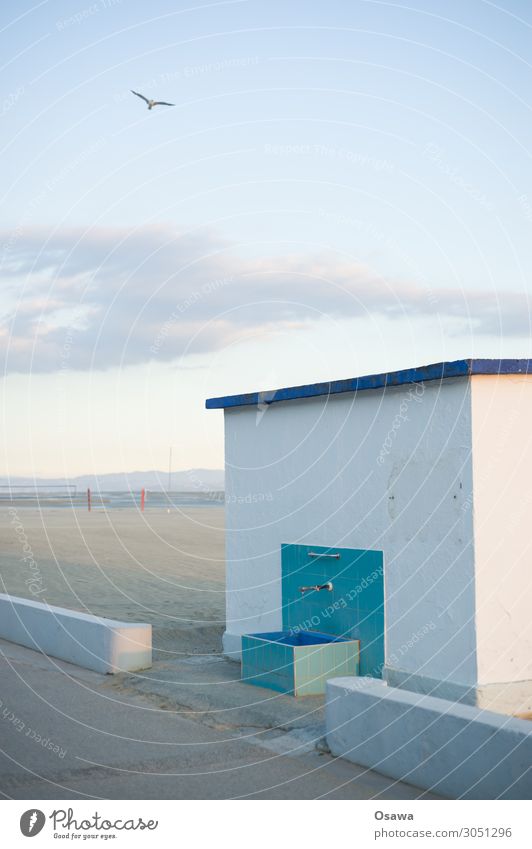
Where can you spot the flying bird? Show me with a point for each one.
(151, 103)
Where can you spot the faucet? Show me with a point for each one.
(317, 587)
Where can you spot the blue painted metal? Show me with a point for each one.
(436, 371)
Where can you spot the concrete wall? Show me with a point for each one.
(103, 645)
(380, 470)
(502, 447)
(452, 749)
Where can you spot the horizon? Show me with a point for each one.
(126, 472)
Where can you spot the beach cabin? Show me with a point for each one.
(391, 512)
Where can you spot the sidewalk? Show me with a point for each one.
(186, 729)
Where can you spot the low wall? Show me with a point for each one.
(510, 697)
(103, 645)
(452, 749)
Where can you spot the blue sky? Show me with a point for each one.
(340, 188)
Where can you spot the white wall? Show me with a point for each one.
(104, 645)
(308, 471)
(456, 750)
(502, 447)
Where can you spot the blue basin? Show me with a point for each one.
(297, 663)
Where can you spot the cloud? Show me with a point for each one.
(102, 297)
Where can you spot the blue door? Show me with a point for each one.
(353, 607)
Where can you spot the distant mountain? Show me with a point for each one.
(191, 480)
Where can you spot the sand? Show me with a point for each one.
(158, 567)
(187, 727)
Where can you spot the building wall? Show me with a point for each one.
(502, 447)
(379, 470)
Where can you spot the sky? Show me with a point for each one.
(341, 188)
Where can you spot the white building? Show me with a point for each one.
(432, 466)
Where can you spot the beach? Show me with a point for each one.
(165, 568)
(188, 727)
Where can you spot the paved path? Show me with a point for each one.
(188, 729)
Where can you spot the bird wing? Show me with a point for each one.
(163, 103)
(145, 99)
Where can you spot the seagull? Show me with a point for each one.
(151, 103)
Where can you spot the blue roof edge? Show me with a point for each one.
(435, 371)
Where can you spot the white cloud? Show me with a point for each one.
(100, 297)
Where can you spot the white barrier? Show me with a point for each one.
(103, 645)
(452, 749)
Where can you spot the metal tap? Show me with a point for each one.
(317, 588)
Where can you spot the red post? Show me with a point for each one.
(89, 499)
(142, 497)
